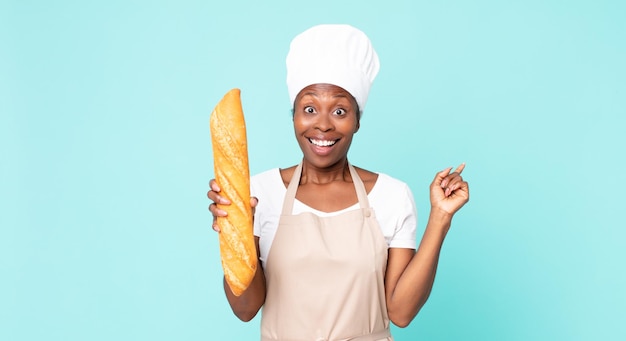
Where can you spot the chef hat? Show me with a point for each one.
(335, 54)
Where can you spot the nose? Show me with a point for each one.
(324, 122)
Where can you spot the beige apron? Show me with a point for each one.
(325, 275)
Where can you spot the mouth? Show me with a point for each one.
(323, 143)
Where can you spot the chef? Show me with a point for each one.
(337, 243)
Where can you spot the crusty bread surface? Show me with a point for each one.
(230, 159)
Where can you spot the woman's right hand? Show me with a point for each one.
(250, 302)
(214, 195)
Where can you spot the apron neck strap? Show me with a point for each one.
(290, 196)
(361, 193)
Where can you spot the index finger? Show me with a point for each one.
(214, 186)
(460, 168)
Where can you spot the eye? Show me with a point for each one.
(309, 110)
(340, 112)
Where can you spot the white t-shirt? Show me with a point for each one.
(390, 198)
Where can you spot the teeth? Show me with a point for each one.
(322, 143)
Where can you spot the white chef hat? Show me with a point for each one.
(335, 54)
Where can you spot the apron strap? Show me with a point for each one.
(290, 196)
(361, 193)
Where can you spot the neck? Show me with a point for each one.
(322, 176)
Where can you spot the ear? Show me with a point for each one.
(358, 125)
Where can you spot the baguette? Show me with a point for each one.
(232, 173)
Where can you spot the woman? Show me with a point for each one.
(336, 242)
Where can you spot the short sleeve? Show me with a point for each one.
(255, 192)
(269, 189)
(404, 234)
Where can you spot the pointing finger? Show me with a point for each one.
(446, 181)
(460, 168)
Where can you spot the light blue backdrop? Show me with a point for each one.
(105, 158)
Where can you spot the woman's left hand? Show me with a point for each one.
(448, 191)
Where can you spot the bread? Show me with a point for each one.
(230, 159)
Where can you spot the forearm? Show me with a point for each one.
(415, 284)
(248, 304)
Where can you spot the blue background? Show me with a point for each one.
(106, 158)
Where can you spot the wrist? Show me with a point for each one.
(439, 219)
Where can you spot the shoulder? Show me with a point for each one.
(268, 174)
(369, 178)
(390, 191)
(365, 174)
(265, 181)
(381, 182)
(391, 183)
(286, 174)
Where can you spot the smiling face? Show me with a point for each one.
(325, 119)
